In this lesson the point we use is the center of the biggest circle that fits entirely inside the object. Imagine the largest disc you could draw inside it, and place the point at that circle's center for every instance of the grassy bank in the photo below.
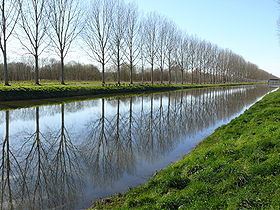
(25, 91)
(237, 167)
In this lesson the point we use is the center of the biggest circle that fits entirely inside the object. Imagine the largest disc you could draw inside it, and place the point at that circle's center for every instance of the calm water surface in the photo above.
(66, 156)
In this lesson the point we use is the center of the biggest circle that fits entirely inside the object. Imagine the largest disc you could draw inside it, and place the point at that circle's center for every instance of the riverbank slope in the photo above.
(237, 167)
(24, 91)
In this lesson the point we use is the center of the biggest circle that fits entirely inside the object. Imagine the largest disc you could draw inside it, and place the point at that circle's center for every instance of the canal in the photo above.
(65, 156)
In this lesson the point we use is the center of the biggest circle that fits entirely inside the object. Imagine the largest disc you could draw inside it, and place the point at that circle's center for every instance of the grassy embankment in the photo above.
(237, 167)
(26, 91)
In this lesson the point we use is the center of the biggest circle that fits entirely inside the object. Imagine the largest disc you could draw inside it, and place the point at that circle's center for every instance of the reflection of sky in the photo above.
(79, 115)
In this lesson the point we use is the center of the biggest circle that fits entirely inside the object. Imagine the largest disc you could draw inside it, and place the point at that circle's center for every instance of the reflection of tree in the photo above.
(109, 146)
(46, 174)
(6, 191)
(147, 144)
(139, 123)
(65, 167)
(95, 149)
(128, 130)
(118, 146)
(36, 167)
(129, 143)
(122, 141)
(48, 110)
(10, 171)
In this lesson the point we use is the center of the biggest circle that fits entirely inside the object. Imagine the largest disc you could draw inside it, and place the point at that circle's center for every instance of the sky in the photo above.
(247, 27)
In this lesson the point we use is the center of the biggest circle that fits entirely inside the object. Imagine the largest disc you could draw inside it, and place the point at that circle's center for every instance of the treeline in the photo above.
(126, 45)
(21, 71)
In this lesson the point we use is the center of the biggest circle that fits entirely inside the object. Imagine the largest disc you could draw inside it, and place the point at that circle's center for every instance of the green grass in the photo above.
(28, 91)
(237, 167)
(51, 82)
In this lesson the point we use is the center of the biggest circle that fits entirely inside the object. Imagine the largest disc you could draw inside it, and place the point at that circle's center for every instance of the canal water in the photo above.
(65, 156)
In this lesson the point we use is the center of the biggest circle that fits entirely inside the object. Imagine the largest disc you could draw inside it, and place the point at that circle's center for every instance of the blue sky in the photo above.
(248, 27)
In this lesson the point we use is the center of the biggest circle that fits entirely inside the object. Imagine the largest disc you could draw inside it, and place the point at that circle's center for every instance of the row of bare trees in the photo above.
(114, 34)
(41, 24)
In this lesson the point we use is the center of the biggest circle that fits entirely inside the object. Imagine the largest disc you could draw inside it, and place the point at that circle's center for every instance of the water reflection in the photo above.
(64, 156)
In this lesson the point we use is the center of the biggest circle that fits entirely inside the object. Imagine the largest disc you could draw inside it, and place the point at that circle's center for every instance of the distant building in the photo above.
(274, 81)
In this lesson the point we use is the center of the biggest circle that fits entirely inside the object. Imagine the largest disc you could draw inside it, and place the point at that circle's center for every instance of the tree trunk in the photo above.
(200, 76)
(131, 72)
(169, 74)
(176, 80)
(62, 70)
(192, 75)
(152, 73)
(119, 75)
(131, 66)
(6, 76)
(182, 75)
(37, 70)
(103, 74)
(119, 67)
(161, 75)
(142, 74)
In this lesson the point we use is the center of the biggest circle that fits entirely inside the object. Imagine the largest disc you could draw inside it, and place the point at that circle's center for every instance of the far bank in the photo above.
(20, 92)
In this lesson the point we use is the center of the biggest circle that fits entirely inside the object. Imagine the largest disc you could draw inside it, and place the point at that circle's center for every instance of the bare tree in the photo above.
(207, 61)
(150, 26)
(9, 16)
(170, 48)
(118, 35)
(182, 53)
(132, 37)
(142, 53)
(214, 57)
(33, 25)
(65, 19)
(162, 39)
(97, 31)
(193, 53)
